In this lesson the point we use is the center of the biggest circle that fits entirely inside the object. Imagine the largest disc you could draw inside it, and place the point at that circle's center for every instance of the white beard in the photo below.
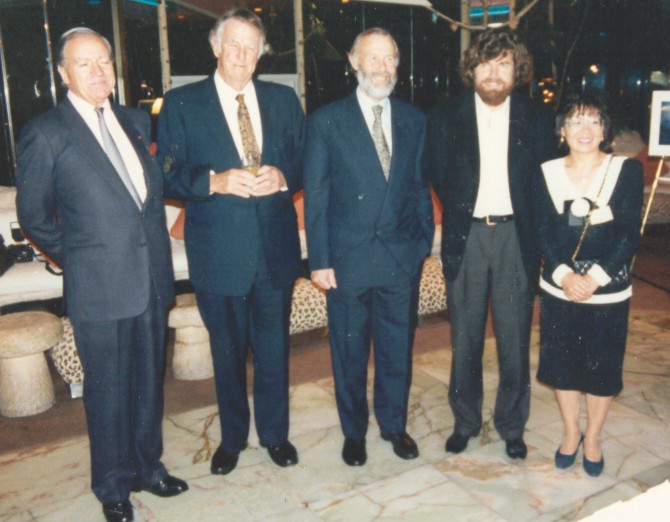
(377, 92)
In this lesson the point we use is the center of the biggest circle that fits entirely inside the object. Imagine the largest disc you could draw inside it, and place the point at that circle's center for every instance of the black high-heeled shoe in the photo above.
(594, 469)
(564, 461)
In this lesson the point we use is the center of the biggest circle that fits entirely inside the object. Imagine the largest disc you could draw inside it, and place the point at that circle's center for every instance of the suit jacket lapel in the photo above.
(271, 125)
(518, 129)
(364, 155)
(266, 108)
(398, 153)
(81, 136)
(355, 120)
(214, 118)
(135, 136)
(467, 126)
(398, 137)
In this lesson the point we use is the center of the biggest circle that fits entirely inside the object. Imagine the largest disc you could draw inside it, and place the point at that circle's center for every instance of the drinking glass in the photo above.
(251, 164)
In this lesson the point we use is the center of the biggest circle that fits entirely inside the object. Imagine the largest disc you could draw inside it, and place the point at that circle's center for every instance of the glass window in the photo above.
(26, 73)
(29, 80)
(142, 52)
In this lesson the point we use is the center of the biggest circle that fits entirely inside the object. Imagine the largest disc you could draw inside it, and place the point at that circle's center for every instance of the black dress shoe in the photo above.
(403, 445)
(456, 443)
(168, 486)
(283, 454)
(353, 452)
(223, 462)
(118, 511)
(516, 448)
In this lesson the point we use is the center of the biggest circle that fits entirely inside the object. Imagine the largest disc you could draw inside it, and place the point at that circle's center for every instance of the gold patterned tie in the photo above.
(249, 143)
(380, 141)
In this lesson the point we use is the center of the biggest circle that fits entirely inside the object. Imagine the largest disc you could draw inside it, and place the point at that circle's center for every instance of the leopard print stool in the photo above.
(308, 307)
(66, 359)
(432, 288)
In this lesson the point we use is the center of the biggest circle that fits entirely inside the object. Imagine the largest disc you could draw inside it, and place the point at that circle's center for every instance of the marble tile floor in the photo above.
(51, 482)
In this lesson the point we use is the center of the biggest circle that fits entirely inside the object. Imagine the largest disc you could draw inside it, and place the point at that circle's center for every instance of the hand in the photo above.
(324, 278)
(592, 284)
(236, 182)
(269, 181)
(577, 287)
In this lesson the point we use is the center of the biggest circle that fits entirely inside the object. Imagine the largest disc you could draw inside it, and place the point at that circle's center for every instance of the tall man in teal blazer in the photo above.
(241, 229)
(369, 223)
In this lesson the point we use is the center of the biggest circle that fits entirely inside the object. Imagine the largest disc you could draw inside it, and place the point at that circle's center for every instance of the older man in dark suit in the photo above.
(485, 148)
(90, 197)
(231, 147)
(369, 223)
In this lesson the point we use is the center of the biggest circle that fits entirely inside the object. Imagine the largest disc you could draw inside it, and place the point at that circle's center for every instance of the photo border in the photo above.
(655, 147)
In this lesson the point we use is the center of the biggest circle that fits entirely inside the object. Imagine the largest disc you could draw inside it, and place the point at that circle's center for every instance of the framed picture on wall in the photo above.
(659, 130)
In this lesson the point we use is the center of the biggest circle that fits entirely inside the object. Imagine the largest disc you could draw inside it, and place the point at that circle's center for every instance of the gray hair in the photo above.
(69, 35)
(243, 15)
(369, 32)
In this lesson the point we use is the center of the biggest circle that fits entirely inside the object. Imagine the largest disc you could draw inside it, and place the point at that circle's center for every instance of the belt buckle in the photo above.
(489, 222)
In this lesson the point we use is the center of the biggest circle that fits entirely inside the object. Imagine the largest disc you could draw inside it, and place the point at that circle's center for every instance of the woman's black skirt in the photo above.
(582, 345)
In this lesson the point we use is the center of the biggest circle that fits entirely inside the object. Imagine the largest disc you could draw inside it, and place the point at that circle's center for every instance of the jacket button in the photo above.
(143, 244)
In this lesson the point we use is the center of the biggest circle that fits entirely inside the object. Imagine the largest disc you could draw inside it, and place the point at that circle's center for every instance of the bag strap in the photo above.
(587, 221)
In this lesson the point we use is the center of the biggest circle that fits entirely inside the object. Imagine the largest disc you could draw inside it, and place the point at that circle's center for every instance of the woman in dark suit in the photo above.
(588, 223)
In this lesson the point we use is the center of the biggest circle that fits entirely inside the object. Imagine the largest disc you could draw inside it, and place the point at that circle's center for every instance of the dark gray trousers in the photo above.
(387, 315)
(492, 267)
(124, 364)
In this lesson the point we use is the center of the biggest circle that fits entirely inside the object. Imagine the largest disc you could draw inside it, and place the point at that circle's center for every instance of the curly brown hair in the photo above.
(491, 44)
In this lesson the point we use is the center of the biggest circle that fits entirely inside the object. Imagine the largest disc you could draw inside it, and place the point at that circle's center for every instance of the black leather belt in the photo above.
(493, 220)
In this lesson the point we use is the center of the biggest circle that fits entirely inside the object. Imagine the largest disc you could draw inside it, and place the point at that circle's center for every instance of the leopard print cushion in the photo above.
(64, 356)
(308, 309)
(432, 292)
(309, 302)
(308, 313)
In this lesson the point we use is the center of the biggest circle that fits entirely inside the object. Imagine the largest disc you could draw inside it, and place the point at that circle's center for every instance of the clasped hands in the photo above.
(238, 182)
(578, 287)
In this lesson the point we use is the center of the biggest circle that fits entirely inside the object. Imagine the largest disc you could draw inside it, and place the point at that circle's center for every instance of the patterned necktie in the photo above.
(249, 143)
(115, 157)
(380, 141)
